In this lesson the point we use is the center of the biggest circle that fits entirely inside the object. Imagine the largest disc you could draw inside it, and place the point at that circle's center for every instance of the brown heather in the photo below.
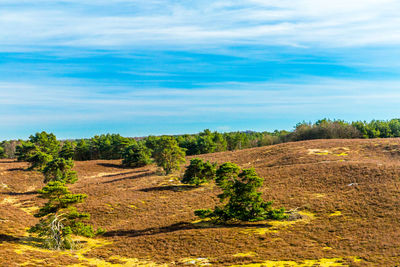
(350, 188)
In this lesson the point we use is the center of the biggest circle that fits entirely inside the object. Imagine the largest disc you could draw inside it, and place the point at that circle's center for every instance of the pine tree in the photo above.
(199, 172)
(136, 155)
(59, 218)
(244, 203)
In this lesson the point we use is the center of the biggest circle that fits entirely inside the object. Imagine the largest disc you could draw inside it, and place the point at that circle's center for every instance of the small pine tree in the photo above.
(199, 172)
(244, 203)
(136, 155)
(60, 169)
(168, 154)
(59, 219)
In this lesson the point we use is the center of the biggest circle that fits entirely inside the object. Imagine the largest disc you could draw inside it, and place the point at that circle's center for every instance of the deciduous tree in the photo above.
(168, 154)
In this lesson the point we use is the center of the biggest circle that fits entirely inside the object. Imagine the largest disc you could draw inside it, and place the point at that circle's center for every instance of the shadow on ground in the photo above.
(180, 227)
(141, 175)
(21, 193)
(177, 188)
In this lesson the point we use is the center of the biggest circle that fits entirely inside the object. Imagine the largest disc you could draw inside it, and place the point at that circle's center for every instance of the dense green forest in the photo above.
(114, 146)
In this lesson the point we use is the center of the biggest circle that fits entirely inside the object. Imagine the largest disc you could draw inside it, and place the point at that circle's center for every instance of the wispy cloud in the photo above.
(44, 103)
(118, 24)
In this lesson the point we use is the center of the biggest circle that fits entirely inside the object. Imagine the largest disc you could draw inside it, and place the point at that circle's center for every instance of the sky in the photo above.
(81, 68)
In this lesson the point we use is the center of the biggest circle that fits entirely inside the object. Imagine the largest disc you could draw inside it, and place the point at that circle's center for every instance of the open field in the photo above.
(346, 191)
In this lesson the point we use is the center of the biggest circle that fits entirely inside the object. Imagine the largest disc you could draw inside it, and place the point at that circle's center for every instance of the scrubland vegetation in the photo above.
(175, 202)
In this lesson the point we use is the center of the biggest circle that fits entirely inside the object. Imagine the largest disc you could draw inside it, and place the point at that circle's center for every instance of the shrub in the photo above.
(199, 172)
(136, 155)
(244, 203)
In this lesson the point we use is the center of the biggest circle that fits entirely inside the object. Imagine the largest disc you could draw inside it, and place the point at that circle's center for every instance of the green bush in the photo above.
(243, 202)
(199, 172)
(136, 155)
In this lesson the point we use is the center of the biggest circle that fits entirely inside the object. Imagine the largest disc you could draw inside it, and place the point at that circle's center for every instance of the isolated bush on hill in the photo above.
(199, 172)
(243, 202)
(168, 154)
(136, 155)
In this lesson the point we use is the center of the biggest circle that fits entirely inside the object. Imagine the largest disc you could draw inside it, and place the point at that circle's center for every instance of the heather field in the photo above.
(344, 193)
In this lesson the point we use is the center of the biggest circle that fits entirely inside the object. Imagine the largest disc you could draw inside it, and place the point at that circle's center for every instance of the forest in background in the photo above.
(113, 146)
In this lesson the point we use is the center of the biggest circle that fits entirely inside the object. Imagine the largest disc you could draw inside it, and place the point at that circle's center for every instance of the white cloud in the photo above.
(41, 101)
(115, 24)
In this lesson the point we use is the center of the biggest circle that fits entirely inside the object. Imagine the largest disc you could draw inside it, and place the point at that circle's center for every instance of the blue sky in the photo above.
(80, 68)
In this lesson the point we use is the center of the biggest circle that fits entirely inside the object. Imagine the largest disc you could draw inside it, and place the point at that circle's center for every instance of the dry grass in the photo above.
(347, 189)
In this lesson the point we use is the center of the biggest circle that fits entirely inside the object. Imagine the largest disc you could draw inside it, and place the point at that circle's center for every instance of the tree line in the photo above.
(115, 146)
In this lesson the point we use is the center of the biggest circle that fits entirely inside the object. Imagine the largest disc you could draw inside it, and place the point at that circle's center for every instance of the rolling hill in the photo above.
(345, 193)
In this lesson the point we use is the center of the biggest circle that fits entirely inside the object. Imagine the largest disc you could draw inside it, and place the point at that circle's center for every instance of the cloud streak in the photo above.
(128, 24)
(223, 98)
